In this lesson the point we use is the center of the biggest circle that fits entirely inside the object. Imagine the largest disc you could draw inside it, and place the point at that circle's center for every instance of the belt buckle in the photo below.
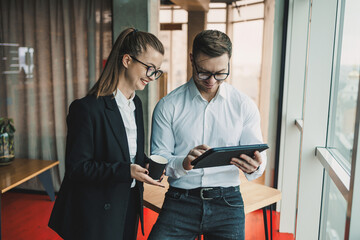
(202, 193)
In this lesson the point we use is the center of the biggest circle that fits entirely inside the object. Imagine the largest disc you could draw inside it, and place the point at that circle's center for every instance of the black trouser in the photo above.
(132, 215)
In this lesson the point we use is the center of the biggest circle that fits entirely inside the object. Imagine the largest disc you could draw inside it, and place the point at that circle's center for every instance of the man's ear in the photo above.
(191, 58)
(126, 60)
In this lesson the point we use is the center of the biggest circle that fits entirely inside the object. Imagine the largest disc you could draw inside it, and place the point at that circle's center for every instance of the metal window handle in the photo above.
(299, 124)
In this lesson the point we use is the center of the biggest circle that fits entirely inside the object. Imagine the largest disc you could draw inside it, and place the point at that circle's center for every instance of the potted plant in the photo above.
(7, 129)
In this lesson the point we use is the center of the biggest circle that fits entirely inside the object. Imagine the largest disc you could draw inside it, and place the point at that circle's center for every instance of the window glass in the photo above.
(246, 2)
(175, 58)
(216, 15)
(179, 57)
(217, 26)
(241, 13)
(247, 52)
(175, 44)
(180, 16)
(333, 216)
(165, 38)
(345, 83)
(165, 15)
(217, 5)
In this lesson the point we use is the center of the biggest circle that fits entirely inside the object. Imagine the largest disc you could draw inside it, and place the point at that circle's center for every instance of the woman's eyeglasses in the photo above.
(207, 75)
(150, 70)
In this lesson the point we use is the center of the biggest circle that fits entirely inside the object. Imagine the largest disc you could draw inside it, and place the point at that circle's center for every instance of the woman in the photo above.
(101, 194)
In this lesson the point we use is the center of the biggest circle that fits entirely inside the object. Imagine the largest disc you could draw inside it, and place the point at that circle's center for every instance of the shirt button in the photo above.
(107, 206)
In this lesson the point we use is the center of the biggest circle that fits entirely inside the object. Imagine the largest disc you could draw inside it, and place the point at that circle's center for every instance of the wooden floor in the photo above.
(25, 216)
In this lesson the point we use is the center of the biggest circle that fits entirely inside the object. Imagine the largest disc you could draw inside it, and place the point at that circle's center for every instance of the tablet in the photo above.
(221, 156)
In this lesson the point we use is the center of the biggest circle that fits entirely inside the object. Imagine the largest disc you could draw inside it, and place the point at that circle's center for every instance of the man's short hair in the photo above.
(212, 43)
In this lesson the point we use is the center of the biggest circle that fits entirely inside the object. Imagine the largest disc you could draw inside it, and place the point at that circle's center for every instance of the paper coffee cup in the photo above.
(156, 166)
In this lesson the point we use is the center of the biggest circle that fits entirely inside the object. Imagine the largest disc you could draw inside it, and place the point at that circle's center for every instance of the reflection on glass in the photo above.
(333, 212)
(345, 83)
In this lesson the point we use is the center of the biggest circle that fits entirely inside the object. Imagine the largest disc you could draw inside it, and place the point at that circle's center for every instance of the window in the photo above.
(248, 24)
(341, 126)
(216, 17)
(246, 67)
(345, 84)
(175, 43)
(328, 181)
(333, 214)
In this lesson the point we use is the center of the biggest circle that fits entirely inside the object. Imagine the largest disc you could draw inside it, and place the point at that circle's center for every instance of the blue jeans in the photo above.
(184, 216)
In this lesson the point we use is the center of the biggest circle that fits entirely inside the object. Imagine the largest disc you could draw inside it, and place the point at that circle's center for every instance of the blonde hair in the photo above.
(132, 42)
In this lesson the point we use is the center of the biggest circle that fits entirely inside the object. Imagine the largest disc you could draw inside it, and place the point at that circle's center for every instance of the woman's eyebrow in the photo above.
(149, 63)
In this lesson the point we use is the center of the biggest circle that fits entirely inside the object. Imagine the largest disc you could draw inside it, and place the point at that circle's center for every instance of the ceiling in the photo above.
(169, 2)
(194, 5)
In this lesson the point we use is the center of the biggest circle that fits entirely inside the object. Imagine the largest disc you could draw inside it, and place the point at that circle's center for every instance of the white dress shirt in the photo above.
(184, 119)
(127, 111)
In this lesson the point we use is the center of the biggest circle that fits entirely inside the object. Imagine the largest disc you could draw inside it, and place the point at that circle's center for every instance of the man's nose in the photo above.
(212, 79)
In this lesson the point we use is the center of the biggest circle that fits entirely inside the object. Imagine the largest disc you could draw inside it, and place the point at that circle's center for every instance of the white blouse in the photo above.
(127, 111)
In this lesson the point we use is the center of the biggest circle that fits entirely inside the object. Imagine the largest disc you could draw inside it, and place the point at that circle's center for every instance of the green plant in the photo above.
(6, 125)
(7, 152)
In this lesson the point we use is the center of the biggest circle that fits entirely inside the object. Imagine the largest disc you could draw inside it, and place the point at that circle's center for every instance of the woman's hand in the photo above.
(141, 174)
(147, 165)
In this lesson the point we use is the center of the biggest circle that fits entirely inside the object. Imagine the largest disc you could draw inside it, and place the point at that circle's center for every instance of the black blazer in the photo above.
(93, 196)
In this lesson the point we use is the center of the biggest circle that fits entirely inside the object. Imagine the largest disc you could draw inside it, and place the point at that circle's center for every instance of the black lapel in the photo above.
(139, 126)
(117, 125)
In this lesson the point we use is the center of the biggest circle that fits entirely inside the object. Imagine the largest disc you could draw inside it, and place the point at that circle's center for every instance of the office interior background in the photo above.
(299, 60)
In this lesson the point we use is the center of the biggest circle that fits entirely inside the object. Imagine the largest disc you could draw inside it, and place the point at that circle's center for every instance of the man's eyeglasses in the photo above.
(207, 75)
(150, 70)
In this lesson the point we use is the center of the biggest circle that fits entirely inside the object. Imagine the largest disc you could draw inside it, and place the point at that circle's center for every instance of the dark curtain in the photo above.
(51, 52)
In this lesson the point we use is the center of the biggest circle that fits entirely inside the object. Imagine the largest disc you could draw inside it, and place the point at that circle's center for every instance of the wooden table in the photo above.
(255, 196)
(22, 170)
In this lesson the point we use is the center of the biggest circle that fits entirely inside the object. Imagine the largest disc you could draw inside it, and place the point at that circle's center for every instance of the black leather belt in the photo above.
(206, 193)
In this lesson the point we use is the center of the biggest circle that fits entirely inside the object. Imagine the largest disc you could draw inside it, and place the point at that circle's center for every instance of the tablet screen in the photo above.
(221, 156)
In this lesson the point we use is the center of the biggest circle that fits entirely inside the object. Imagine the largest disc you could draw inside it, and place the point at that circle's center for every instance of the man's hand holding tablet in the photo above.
(246, 163)
(194, 154)
(245, 157)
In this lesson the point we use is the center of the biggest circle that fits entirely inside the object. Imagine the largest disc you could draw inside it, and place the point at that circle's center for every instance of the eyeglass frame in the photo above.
(148, 67)
(212, 74)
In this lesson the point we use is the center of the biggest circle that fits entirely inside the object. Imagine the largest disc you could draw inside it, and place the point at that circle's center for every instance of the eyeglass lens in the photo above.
(217, 76)
(150, 70)
(207, 75)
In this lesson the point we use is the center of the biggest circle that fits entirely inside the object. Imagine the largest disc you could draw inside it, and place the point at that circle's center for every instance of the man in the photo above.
(205, 112)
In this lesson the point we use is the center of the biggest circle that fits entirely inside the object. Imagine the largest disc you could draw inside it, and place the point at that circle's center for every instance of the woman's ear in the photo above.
(126, 59)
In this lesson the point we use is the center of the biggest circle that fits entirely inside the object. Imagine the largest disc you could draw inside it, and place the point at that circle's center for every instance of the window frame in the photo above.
(314, 158)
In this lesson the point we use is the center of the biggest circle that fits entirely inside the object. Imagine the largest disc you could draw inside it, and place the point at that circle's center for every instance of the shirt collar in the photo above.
(122, 101)
(194, 91)
(222, 91)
